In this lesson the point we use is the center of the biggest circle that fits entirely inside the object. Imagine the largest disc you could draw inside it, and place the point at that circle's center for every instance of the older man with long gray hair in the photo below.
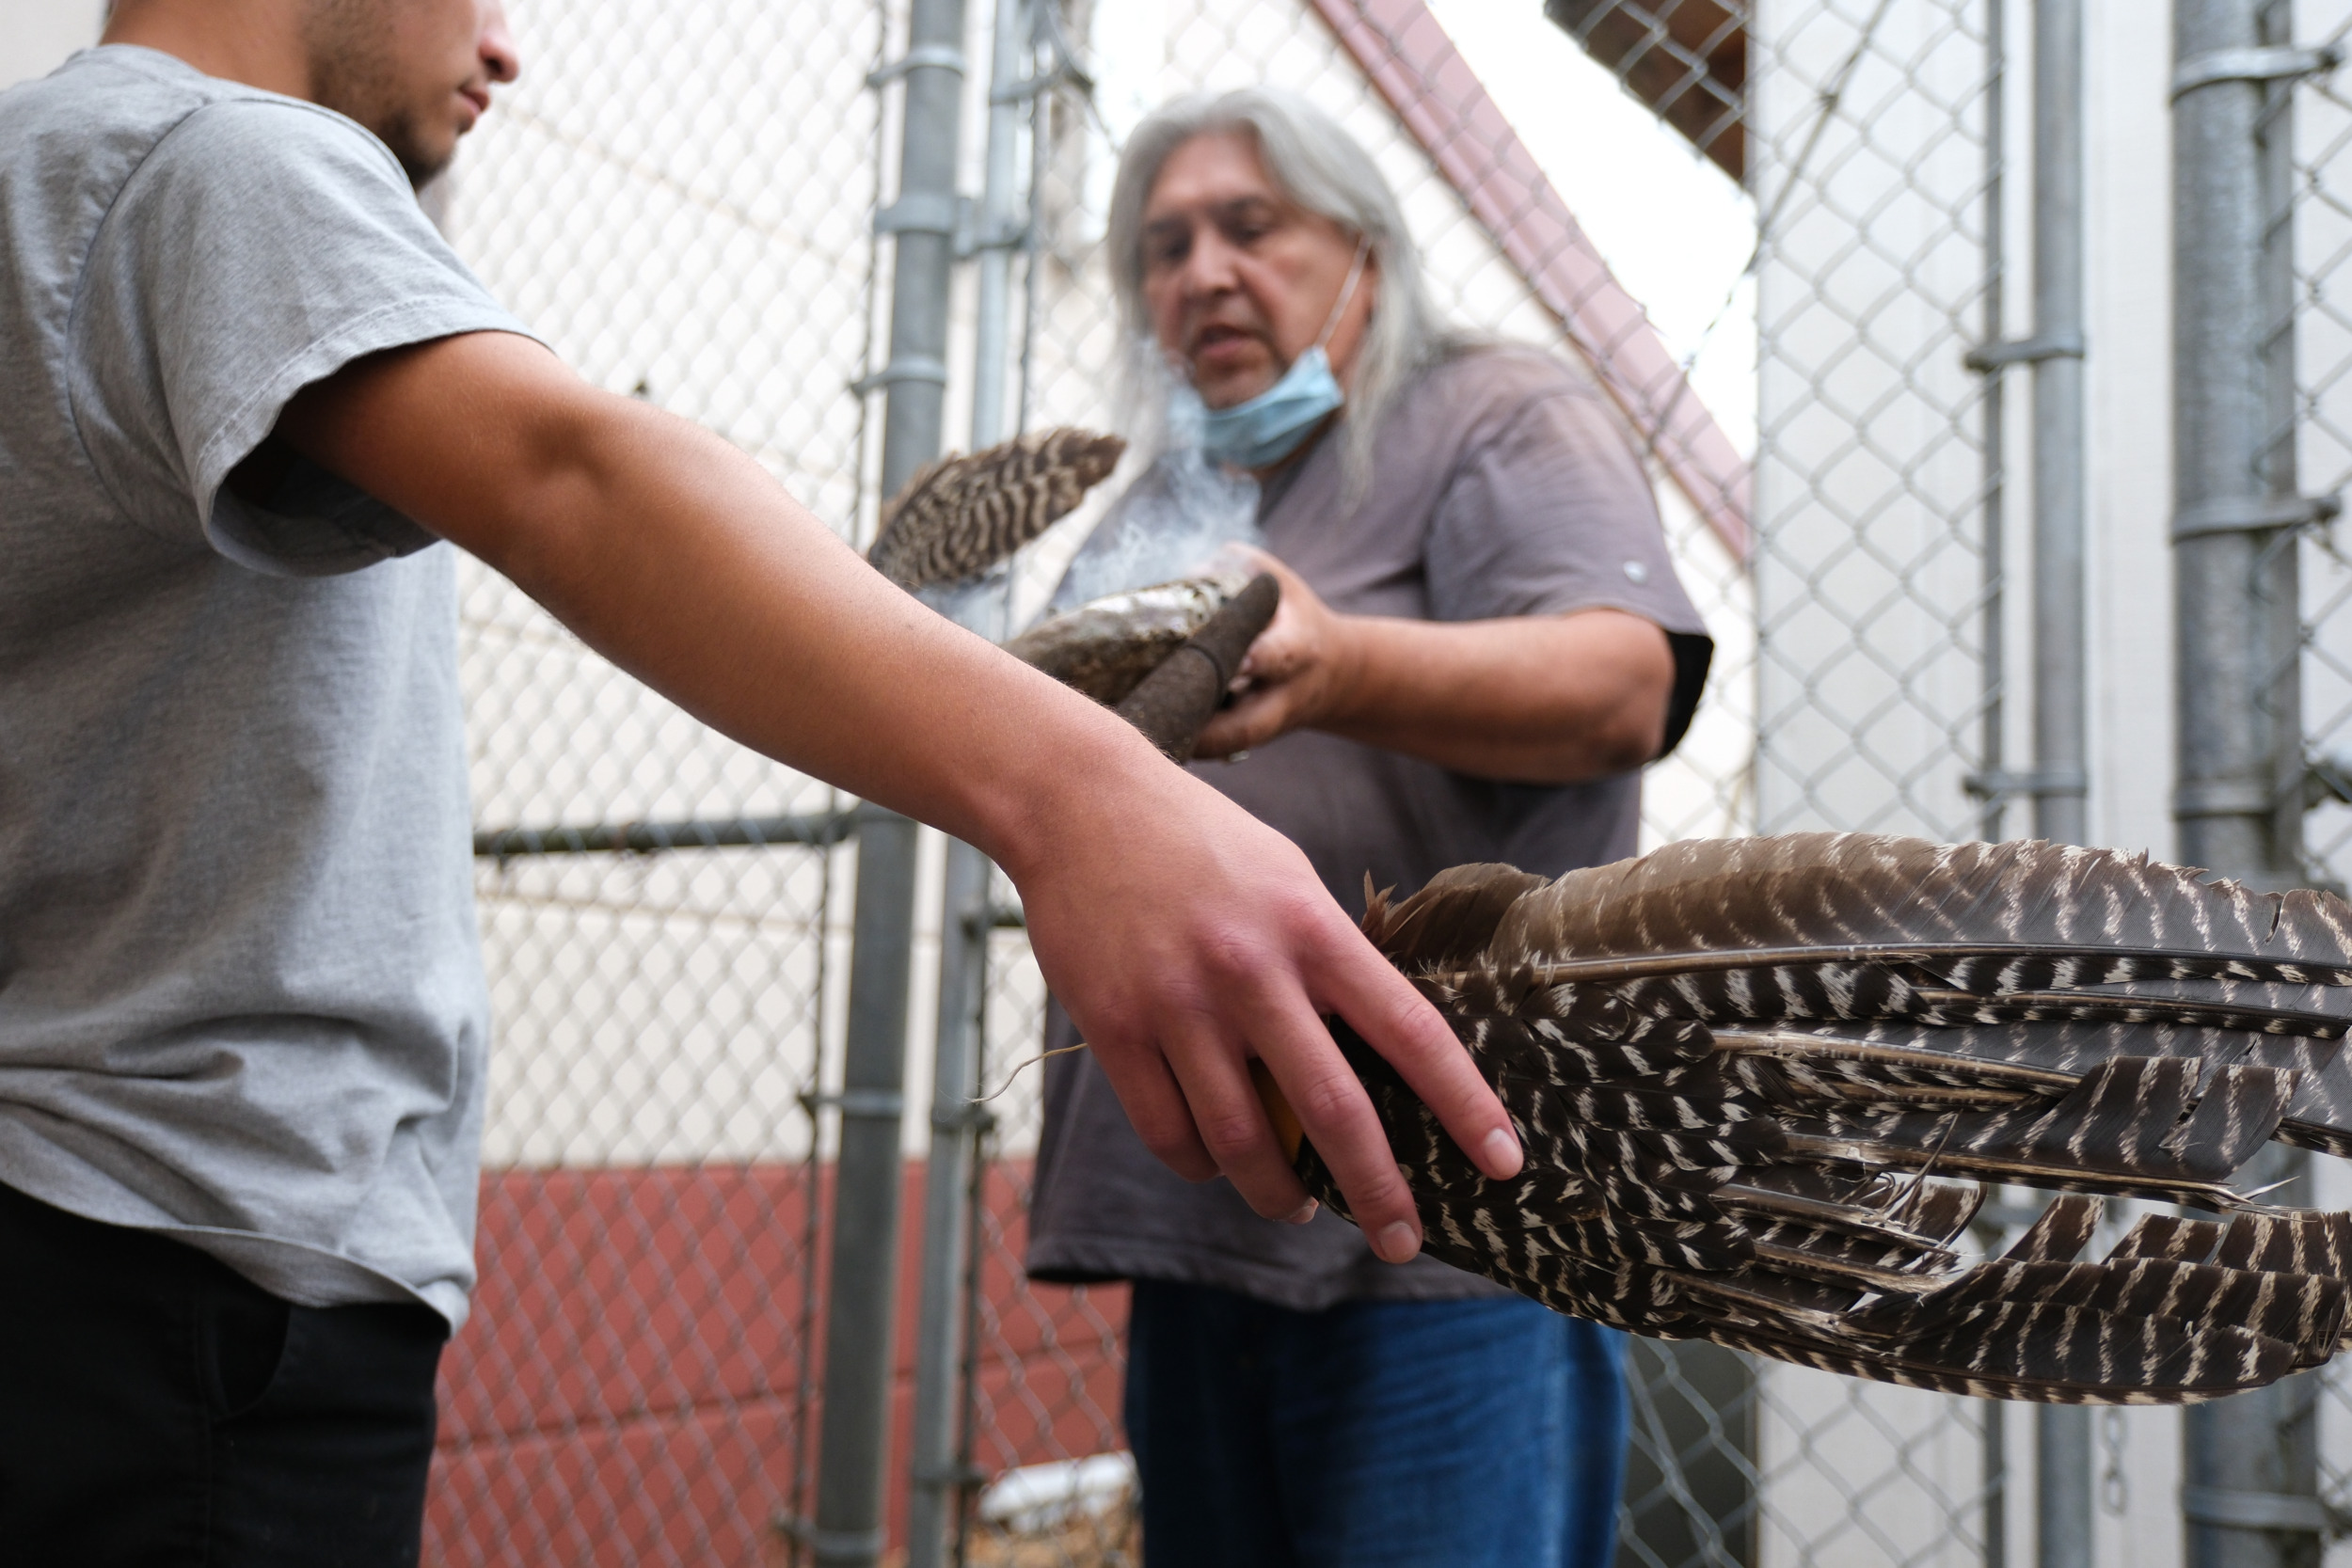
(1481, 640)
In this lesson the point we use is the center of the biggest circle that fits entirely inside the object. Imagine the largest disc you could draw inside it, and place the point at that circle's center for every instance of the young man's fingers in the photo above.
(1234, 1125)
(1400, 1024)
(1155, 1105)
(1338, 1119)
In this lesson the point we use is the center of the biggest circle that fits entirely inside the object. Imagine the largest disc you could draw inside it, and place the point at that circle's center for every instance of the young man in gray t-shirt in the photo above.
(244, 390)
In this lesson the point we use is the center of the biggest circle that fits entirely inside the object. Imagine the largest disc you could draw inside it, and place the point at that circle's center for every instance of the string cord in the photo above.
(1020, 1068)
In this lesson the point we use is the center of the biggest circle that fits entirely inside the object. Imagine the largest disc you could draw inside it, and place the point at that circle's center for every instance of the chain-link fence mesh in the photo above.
(2307, 133)
(680, 197)
(1503, 256)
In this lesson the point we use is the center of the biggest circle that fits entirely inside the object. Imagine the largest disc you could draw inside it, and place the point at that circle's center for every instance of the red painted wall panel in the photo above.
(627, 1391)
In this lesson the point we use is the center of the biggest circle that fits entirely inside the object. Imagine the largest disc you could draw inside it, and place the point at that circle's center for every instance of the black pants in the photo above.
(158, 1410)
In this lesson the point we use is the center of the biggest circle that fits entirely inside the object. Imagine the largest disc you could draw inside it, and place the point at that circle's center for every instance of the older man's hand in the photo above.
(1532, 699)
(1301, 671)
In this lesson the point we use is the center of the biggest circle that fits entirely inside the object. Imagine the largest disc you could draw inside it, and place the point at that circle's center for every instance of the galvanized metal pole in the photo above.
(2223, 802)
(935, 1482)
(2062, 1486)
(1992, 783)
(2249, 1473)
(2056, 347)
(1001, 225)
(2279, 575)
(861, 1304)
(2063, 1445)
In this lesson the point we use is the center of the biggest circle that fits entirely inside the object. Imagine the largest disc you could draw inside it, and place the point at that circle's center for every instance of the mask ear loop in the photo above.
(1347, 291)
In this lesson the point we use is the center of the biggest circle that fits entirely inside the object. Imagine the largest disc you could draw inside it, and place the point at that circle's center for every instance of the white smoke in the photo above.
(1176, 522)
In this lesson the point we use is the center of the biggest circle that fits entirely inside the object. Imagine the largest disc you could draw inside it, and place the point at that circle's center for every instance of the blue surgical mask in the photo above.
(1270, 426)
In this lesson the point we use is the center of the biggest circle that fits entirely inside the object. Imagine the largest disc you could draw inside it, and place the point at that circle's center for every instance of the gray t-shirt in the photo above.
(1502, 487)
(241, 998)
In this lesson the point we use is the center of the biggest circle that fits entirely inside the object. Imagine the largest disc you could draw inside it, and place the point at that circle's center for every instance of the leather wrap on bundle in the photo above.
(1105, 646)
(1173, 703)
(1761, 1082)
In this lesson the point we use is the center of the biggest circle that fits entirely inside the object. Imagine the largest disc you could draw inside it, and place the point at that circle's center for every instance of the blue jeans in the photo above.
(1484, 1433)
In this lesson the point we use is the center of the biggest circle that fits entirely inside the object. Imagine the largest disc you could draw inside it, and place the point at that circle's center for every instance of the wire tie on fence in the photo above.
(2223, 797)
(866, 1104)
(1020, 1068)
(969, 1116)
(833, 1546)
(2328, 778)
(813, 830)
(995, 917)
(923, 56)
(1012, 234)
(963, 1477)
(1989, 358)
(925, 212)
(2254, 515)
(909, 367)
(2251, 64)
(1998, 783)
(2232, 1509)
(1029, 86)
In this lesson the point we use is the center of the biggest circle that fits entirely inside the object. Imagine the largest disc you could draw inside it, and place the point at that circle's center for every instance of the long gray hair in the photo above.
(1324, 170)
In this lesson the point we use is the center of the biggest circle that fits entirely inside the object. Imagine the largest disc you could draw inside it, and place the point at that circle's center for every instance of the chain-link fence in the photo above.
(2306, 158)
(662, 911)
(1503, 256)
(682, 197)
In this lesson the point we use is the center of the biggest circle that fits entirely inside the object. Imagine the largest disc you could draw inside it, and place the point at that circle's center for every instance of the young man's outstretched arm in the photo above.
(1184, 936)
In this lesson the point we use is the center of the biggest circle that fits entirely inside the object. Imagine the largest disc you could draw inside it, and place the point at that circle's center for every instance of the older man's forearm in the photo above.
(1531, 700)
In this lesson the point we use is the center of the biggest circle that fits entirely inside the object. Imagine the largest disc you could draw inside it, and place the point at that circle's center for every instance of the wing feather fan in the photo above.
(1764, 1085)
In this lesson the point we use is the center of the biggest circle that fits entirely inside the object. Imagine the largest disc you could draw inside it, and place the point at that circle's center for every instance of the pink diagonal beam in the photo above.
(1407, 53)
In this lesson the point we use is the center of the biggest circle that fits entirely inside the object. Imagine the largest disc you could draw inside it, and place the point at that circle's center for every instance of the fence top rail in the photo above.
(813, 829)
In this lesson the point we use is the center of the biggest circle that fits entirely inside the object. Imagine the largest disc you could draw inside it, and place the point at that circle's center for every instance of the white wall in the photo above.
(2128, 375)
(36, 35)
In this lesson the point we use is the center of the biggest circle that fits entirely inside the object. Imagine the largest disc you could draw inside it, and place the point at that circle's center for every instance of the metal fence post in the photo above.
(2063, 1462)
(2056, 351)
(1992, 783)
(947, 1191)
(860, 1303)
(935, 1481)
(2249, 1481)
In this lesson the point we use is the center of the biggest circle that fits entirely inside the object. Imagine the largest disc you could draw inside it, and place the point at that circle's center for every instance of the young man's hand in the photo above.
(1185, 936)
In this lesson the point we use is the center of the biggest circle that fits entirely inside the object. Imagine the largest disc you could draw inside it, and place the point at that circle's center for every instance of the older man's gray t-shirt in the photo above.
(241, 998)
(1502, 487)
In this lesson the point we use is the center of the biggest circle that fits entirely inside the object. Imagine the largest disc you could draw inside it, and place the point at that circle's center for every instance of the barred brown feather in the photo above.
(1761, 1083)
(961, 516)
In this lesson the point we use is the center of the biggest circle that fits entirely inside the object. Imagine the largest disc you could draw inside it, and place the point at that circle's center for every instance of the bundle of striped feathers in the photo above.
(1764, 1085)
